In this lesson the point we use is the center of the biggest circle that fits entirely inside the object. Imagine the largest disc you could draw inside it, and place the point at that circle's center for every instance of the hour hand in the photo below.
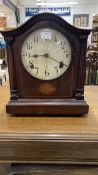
(35, 56)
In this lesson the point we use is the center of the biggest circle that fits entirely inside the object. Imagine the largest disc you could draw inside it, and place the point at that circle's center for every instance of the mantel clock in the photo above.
(46, 62)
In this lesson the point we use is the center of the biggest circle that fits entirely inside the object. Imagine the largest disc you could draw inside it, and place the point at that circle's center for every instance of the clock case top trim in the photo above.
(71, 85)
(44, 16)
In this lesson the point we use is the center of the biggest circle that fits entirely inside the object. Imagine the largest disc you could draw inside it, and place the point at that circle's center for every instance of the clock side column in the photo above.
(11, 68)
(82, 68)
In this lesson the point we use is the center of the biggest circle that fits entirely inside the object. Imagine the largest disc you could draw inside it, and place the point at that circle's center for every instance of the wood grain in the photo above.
(48, 139)
(85, 124)
(54, 170)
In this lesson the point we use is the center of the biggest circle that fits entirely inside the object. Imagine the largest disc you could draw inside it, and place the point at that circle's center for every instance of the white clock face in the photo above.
(46, 54)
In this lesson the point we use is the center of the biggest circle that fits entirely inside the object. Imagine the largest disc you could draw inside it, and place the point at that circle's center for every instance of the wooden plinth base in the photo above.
(43, 106)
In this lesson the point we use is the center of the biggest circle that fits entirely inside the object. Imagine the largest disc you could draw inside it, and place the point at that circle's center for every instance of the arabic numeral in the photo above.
(56, 69)
(29, 46)
(46, 73)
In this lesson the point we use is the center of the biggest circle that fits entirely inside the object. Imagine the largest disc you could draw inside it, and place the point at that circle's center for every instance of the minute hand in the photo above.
(61, 64)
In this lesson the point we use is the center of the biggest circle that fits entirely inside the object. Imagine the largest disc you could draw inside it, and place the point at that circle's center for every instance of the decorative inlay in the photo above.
(46, 89)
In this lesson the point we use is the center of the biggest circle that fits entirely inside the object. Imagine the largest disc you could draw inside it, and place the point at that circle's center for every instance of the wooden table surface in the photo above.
(47, 138)
(85, 124)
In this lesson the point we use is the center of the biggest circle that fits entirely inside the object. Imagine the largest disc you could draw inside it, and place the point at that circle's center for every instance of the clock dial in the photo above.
(46, 54)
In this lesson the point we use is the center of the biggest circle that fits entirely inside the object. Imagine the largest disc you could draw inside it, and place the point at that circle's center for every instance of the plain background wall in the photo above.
(75, 9)
(90, 9)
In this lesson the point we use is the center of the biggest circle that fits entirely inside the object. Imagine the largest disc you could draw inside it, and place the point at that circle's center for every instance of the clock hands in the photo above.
(61, 64)
(35, 55)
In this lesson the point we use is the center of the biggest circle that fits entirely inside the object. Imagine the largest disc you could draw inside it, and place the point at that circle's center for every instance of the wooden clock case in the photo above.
(63, 95)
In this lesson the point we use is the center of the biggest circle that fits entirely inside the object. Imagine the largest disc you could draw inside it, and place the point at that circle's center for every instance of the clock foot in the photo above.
(44, 106)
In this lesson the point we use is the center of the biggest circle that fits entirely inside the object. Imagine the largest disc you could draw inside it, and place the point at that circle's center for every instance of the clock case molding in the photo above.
(63, 95)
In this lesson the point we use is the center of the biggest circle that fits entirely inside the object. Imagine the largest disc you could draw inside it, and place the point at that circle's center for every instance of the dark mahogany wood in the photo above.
(64, 95)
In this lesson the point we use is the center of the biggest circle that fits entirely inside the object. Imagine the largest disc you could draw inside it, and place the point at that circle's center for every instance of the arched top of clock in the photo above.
(45, 16)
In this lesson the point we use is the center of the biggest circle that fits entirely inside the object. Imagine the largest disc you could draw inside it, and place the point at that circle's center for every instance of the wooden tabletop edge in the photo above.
(49, 136)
